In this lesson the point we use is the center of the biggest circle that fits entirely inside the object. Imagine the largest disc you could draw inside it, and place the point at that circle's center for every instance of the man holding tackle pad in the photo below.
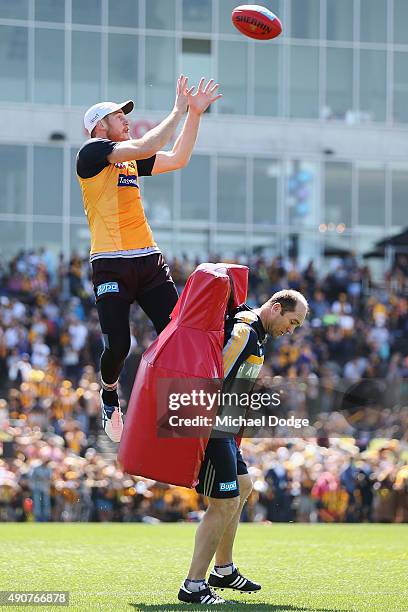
(223, 476)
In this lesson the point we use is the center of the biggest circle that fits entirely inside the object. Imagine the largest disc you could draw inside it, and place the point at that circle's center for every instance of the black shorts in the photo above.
(129, 278)
(223, 463)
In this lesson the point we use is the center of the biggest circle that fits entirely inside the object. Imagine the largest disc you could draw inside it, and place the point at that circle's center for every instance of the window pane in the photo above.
(14, 9)
(367, 242)
(301, 193)
(400, 21)
(49, 67)
(305, 18)
(399, 196)
(225, 8)
(401, 87)
(339, 78)
(266, 244)
(335, 245)
(373, 20)
(13, 195)
(231, 190)
(305, 244)
(339, 20)
(50, 10)
(337, 193)
(232, 71)
(124, 13)
(79, 239)
(371, 194)
(122, 66)
(86, 68)
(267, 82)
(197, 15)
(49, 235)
(195, 203)
(373, 86)
(196, 59)
(193, 243)
(161, 15)
(76, 205)
(48, 181)
(165, 239)
(12, 238)
(13, 64)
(86, 12)
(160, 77)
(304, 81)
(265, 200)
(157, 192)
(229, 245)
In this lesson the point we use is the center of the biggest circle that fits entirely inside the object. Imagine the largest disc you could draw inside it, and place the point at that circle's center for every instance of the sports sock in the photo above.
(109, 386)
(195, 585)
(110, 396)
(110, 399)
(225, 570)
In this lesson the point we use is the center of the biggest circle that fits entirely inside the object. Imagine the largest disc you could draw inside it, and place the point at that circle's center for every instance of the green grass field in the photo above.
(140, 567)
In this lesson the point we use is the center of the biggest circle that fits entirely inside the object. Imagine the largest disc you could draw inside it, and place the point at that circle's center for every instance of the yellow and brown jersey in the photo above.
(243, 353)
(243, 357)
(112, 202)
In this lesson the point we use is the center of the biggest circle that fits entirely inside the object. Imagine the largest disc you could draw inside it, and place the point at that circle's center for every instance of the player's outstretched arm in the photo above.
(181, 152)
(159, 136)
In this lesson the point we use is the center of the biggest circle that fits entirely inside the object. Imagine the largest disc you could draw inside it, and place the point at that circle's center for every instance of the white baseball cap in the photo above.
(100, 110)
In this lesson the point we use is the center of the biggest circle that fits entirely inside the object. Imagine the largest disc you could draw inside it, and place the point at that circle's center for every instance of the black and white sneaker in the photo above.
(205, 596)
(235, 581)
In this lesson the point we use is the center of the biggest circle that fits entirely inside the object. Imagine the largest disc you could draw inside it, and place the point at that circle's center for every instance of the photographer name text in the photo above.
(238, 421)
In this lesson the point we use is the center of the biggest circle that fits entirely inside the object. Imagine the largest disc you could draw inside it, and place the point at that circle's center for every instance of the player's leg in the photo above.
(158, 294)
(113, 286)
(114, 320)
(218, 481)
(158, 304)
(209, 534)
(223, 555)
(225, 574)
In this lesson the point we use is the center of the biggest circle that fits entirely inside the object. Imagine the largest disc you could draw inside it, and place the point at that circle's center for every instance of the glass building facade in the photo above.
(305, 152)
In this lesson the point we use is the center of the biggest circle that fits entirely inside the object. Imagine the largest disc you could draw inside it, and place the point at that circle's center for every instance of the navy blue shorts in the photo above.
(223, 463)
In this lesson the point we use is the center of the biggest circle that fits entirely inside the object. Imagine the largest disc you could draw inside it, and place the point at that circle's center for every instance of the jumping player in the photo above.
(223, 475)
(127, 265)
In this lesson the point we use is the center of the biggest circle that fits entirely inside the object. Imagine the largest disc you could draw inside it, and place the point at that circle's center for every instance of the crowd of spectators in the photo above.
(347, 368)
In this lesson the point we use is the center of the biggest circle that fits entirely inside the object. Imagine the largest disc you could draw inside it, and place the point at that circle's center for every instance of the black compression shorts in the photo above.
(146, 280)
(129, 278)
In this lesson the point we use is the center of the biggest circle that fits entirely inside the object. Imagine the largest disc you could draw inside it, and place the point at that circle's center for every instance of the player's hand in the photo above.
(205, 95)
(182, 94)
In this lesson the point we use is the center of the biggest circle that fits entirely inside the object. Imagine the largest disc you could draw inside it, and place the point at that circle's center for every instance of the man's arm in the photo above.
(181, 152)
(159, 136)
(149, 144)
